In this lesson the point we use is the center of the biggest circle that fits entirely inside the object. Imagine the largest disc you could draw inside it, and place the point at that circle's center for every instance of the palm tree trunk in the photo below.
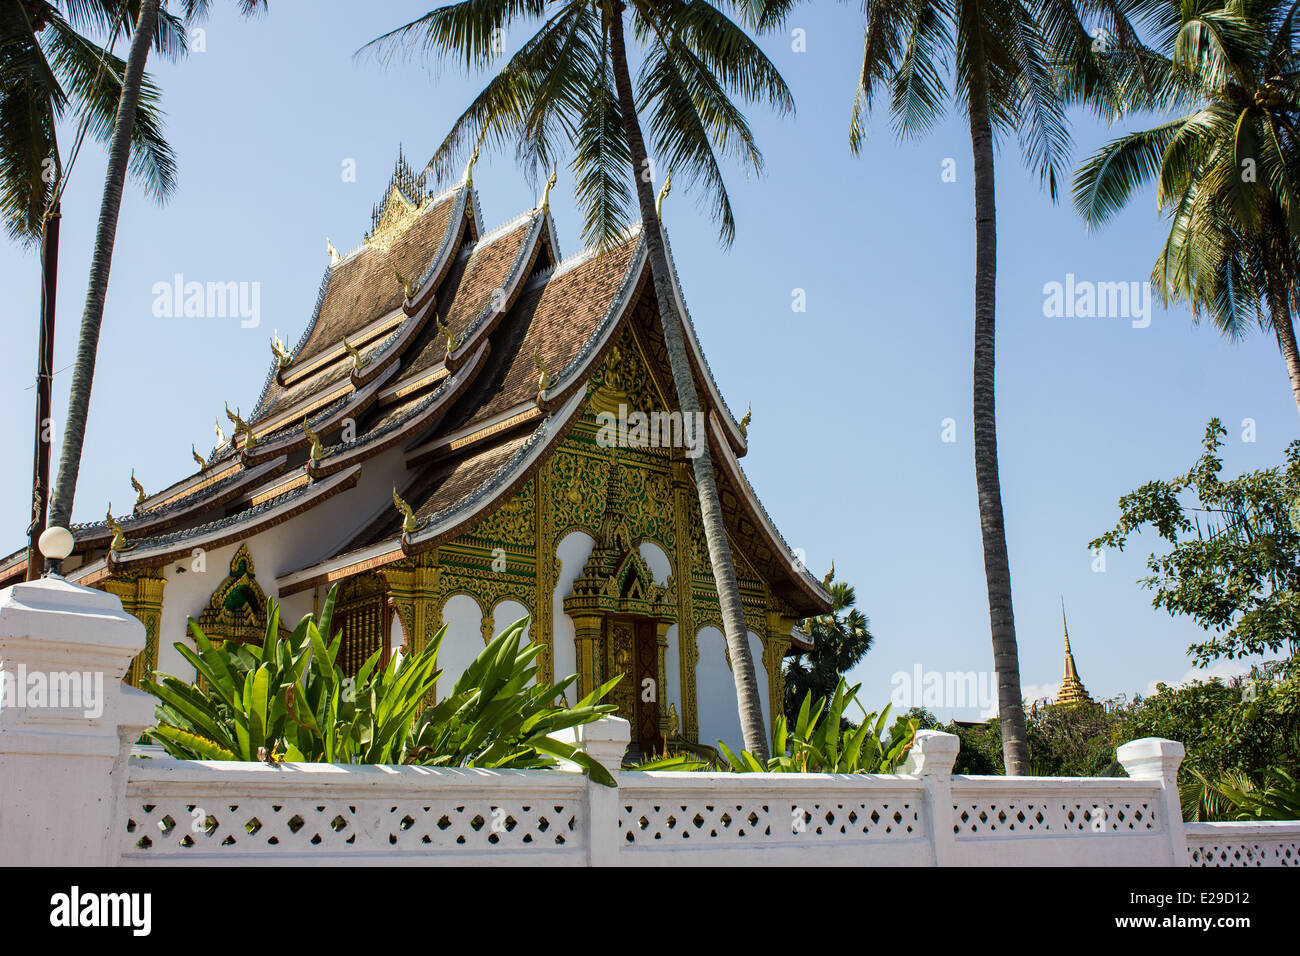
(715, 535)
(997, 566)
(83, 372)
(44, 384)
(1279, 308)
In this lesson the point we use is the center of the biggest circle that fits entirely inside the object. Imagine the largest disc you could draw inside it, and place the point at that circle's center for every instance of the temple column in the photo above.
(141, 594)
(414, 594)
(775, 646)
(587, 639)
(688, 654)
(661, 672)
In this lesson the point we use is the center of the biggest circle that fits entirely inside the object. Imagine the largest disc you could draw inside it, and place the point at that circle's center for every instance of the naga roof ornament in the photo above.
(663, 194)
(358, 362)
(410, 523)
(139, 489)
(119, 536)
(280, 351)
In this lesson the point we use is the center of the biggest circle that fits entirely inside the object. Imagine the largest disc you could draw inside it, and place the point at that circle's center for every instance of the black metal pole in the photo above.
(44, 386)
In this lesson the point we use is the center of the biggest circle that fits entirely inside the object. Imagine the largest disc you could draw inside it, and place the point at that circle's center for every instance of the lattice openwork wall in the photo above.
(1047, 815)
(1243, 844)
(200, 813)
(455, 816)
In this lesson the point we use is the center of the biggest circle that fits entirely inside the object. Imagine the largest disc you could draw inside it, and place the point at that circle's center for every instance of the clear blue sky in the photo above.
(848, 398)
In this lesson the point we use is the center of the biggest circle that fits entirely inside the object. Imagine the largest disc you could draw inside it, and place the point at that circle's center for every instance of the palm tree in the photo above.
(1226, 169)
(1012, 65)
(119, 157)
(840, 640)
(569, 88)
(52, 68)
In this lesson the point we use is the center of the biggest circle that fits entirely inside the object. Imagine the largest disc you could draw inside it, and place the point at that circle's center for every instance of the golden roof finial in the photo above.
(235, 420)
(408, 290)
(139, 489)
(221, 436)
(663, 194)
(203, 462)
(358, 363)
(445, 329)
(119, 536)
(334, 253)
(318, 452)
(545, 204)
(469, 167)
(746, 419)
(544, 380)
(830, 576)
(410, 524)
(280, 350)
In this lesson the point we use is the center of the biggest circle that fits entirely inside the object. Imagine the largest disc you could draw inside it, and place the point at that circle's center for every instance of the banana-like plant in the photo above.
(820, 743)
(290, 700)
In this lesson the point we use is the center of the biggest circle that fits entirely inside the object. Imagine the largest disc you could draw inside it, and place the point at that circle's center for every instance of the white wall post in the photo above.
(931, 758)
(1154, 758)
(604, 740)
(67, 723)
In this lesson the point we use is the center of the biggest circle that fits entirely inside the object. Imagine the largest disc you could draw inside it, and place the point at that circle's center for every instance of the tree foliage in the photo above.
(840, 640)
(1234, 564)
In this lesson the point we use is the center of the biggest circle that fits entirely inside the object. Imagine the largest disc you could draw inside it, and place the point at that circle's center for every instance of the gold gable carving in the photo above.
(237, 609)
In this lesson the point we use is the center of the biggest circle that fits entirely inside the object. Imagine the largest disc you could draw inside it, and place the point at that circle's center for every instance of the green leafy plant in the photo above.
(824, 742)
(1235, 796)
(290, 700)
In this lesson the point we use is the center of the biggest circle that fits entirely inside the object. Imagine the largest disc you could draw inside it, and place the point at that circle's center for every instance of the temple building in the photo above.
(433, 445)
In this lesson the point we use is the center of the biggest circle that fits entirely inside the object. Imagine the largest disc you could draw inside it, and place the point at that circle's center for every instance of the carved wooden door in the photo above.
(630, 650)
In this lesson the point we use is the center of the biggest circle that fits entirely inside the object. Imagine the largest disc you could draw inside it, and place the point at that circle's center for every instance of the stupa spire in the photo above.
(1072, 690)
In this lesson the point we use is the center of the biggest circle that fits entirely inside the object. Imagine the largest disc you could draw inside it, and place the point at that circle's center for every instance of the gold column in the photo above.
(661, 692)
(547, 572)
(775, 645)
(141, 594)
(688, 652)
(415, 594)
(587, 639)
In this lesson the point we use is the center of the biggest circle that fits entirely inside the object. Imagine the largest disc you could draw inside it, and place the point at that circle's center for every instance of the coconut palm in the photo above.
(52, 70)
(569, 91)
(147, 15)
(1009, 66)
(840, 640)
(1227, 169)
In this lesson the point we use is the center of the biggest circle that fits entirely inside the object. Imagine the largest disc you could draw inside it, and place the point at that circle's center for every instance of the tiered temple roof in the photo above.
(430, 336)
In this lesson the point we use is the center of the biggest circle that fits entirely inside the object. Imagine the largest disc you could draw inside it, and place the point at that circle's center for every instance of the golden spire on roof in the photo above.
(221, 436)
(139, 489)
(830, 576)
(334, 253)
(1071, 690)
(663, 194)
(119, 536)
(746, 419)
(203, 462)
(445, 329)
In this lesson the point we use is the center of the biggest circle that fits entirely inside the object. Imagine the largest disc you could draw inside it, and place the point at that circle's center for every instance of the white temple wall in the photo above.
(715, 689)
(463, 641)
(573, 553)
